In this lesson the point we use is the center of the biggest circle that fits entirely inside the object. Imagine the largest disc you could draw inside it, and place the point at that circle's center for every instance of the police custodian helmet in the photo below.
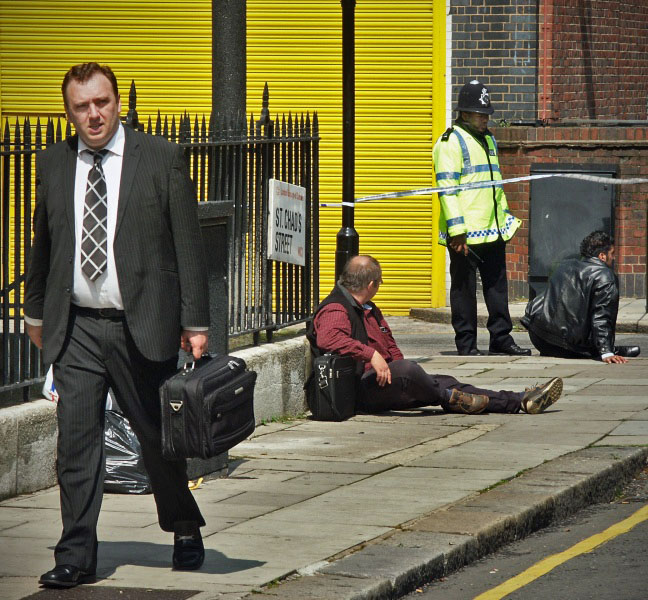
(474, 97)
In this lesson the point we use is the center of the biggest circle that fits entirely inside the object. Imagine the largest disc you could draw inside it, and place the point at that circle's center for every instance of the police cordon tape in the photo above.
(483, 184)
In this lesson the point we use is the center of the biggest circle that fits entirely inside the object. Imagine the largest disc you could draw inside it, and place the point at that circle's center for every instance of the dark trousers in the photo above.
(99, 353)
(412, 387)
(548, 349)
(463, 296)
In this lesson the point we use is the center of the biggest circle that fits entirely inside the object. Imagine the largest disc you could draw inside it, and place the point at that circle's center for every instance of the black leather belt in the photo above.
(99, 313)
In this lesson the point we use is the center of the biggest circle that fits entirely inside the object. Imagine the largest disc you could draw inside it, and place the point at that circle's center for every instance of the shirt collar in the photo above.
(114, 146)
(347, 294)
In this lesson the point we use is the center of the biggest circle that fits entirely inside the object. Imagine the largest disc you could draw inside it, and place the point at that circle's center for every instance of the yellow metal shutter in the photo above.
(296, 47)
(165, 46)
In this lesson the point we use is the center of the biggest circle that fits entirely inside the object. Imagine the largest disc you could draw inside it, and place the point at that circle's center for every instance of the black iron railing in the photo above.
(230, 161)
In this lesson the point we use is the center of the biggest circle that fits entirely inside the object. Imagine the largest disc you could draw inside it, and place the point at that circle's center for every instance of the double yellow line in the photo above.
(551, 562)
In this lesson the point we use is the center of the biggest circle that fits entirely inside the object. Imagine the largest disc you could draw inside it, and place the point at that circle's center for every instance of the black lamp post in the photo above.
(229, 60)
(347, 239)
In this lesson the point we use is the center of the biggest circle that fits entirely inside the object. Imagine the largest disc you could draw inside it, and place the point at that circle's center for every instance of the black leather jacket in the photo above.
(578, 310)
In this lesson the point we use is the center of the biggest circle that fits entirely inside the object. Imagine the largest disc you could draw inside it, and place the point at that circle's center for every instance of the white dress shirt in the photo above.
(104, 291)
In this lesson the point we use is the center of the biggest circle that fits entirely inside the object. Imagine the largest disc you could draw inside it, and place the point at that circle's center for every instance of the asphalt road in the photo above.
(615, 570)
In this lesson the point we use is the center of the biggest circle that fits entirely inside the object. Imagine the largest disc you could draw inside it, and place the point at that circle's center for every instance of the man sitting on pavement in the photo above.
(575, 317)
(346, 322)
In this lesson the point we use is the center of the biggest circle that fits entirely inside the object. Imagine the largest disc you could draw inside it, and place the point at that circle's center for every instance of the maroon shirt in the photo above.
(333, 333)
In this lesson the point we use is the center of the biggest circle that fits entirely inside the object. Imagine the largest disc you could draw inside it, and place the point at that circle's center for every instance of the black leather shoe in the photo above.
(473, 352)
(627, 351)
(512, 350)
(65, 576)
(188, 549)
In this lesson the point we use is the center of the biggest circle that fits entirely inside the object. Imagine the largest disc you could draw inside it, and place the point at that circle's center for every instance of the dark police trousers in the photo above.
(412, 387)
(463, 296)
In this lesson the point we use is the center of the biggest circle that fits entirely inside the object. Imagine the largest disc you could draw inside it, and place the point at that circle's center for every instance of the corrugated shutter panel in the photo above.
(296, 47)
(165, 46)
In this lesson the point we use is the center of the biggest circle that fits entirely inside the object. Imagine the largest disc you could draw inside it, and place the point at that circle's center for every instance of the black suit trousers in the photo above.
(463, 296)
(99, 353)
(412, 387)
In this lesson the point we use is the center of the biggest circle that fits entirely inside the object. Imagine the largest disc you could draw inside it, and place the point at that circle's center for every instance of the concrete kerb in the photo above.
(28, 431)
(626, 322)
(450, 538)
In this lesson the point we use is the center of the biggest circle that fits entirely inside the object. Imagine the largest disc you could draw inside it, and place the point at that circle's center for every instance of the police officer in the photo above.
(475, 224)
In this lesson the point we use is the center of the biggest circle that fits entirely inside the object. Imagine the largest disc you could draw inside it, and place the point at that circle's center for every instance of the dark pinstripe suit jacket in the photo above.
(157, 246)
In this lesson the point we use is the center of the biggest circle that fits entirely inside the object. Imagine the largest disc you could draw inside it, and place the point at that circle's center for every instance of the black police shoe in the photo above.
(512, 350)
(473, 352)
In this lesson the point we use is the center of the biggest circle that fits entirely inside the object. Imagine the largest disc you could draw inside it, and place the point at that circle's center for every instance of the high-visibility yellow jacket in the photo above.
(482, 214)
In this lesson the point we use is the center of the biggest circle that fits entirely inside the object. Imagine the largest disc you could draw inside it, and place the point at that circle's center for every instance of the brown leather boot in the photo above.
(469, 404)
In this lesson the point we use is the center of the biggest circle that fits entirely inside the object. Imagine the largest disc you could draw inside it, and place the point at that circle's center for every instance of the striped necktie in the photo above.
(94, 245)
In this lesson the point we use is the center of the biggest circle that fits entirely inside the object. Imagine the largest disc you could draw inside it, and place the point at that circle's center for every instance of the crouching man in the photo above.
(348, 323)
(575, 317)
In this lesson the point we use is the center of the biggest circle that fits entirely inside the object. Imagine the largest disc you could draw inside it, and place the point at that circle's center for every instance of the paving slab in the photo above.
(515, 456)
(462, 436)
(481, 380)
(639, 416)
(16, 588)
(631, 428)
(601, 388)
(556, 438)
(350, 440)
(311, 466)
(541, 372)
(49, 499)
(561, 422)
(370, 507)
(623, 440)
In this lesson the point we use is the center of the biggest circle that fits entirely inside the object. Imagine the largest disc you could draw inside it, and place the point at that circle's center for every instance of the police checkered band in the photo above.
(483, 233)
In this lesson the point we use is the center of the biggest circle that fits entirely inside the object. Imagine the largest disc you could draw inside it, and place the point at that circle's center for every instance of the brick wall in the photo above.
(599, 60)
(626, 147)
(496, 42)
(559, 60)
(594, 56)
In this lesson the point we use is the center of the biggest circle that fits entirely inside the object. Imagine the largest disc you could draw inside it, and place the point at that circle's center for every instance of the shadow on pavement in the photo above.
(148, 554)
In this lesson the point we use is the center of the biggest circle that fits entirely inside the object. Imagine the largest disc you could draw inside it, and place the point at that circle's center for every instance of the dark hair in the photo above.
(359, 272)
(595, 243)
(85, 71)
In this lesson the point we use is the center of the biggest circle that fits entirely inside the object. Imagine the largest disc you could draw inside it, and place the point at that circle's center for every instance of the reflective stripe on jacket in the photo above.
(482, 214)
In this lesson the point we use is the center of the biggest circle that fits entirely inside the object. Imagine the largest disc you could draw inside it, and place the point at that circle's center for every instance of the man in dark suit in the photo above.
(116, 283)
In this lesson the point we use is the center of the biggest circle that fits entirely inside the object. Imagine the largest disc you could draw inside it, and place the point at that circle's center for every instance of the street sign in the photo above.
(287, 222)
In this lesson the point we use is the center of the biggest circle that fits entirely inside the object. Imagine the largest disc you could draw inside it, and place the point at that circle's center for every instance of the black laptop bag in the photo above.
(331, 388)
(207, 407)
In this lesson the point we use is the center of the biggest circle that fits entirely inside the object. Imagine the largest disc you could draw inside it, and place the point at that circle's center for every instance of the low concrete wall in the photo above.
(28, 431)
(281, 369)
(27, 447)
